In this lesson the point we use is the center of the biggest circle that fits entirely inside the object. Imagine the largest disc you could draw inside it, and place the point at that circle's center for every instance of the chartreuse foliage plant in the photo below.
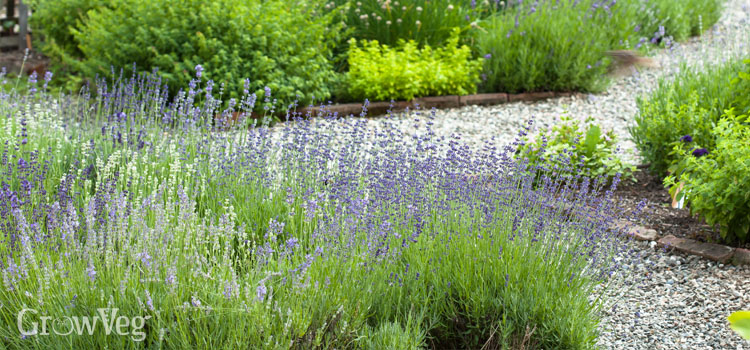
(380, 72)
(594, 150)
(740, 323)
(326, 235)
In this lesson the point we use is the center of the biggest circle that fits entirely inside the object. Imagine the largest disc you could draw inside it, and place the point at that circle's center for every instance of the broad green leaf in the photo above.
(740, 322)
(592, 138)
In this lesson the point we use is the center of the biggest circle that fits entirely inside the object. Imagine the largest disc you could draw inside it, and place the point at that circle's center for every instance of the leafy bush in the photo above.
(691, 104)
(278, 44)
(554, 46)
(56, 19)
(379, 72)
(593, 153)
(717, 179)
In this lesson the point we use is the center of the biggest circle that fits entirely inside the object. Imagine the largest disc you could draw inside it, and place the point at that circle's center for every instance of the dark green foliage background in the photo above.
(286, 46)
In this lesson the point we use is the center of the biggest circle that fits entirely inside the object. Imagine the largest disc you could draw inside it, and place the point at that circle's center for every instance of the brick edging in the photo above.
(712, 251)
(427, 103)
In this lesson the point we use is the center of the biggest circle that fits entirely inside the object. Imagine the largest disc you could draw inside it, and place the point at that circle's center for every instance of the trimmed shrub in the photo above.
(56, 19)
(278, 44)
(380, 72)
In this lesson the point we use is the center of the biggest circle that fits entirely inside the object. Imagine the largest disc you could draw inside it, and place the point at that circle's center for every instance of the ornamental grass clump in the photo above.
(332, 234)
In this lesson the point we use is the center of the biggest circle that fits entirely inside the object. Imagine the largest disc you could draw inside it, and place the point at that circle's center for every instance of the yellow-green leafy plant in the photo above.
(380, 72)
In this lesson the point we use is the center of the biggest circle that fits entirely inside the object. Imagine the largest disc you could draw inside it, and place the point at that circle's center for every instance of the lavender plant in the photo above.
(553, 45)
(326, 234)
(425, 22)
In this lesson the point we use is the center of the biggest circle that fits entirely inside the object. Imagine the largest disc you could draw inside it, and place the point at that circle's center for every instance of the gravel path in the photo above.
(685, 302)
(612, 110)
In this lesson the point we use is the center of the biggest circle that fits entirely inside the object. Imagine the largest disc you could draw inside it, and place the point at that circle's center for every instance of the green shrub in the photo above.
(380, 72)
(717, 179)
(273, 43)
(595, 151)
(553, 46)
(690, 104)
(55, 20)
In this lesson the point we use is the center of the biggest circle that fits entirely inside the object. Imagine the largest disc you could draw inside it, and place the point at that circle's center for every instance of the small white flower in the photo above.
(450, 7)
(387, 23)
(418, 23)
(378, 18)
(398, 21)
(419, 9)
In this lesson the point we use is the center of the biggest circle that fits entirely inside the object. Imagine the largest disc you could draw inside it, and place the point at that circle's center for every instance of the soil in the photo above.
(13, 59)
(659, 214)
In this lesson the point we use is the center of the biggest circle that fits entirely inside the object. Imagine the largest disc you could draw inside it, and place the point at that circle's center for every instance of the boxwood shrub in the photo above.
(285, 46)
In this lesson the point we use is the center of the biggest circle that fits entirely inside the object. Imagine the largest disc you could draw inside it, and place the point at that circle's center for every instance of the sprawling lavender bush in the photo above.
(312, 233)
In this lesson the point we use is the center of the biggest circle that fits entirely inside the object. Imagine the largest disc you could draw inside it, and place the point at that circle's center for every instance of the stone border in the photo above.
(375, 109)
(427, 103)
(712, 251)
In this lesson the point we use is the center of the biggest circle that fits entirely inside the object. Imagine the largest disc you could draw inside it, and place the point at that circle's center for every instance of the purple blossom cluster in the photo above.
(276, 201)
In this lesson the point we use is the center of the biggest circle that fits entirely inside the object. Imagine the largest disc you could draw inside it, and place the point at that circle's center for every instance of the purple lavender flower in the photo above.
(487, 56)
(686, 138)
(268, 91)
(91, 272)
(261, 291)
(198, 71)
(292, 243)
(699, 152)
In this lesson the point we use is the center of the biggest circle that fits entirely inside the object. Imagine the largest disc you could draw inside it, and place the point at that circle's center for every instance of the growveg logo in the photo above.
(31, 324)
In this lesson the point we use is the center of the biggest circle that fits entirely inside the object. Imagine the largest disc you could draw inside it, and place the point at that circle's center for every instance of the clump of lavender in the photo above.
(284, 235)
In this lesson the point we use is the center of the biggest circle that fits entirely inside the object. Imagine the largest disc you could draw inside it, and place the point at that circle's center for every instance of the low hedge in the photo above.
(287, 47)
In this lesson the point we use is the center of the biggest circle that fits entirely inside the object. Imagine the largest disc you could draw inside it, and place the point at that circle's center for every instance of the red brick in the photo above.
(716, 252)
(483, 99)
(530, 96)
(741, 256)
(450, 101)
